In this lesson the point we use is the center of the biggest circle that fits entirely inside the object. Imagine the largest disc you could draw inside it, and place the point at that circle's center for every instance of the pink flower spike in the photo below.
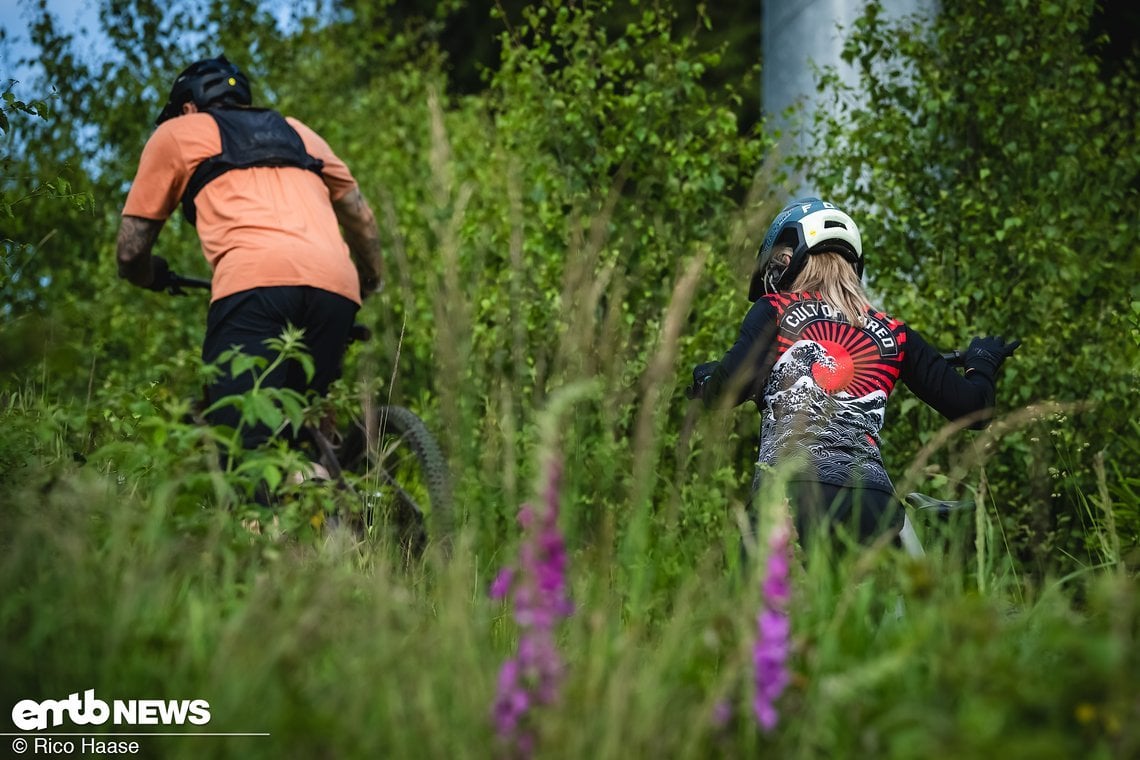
(773, 632)
(501, 586)
(536, 589)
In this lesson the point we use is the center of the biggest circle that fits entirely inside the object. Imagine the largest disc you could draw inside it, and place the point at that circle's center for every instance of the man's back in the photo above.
(260, 226)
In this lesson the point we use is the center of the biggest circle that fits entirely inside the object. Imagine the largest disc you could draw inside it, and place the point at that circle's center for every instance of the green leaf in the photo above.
(307, 364)
(242, 363)
(293, 408)
(272, 476)
(260, 408)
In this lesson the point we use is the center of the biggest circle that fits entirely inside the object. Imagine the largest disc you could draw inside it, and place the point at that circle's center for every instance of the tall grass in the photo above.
(337, 649)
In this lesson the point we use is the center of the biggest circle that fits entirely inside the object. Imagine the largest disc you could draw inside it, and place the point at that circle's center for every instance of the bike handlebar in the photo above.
(177, 282)
(956, 358)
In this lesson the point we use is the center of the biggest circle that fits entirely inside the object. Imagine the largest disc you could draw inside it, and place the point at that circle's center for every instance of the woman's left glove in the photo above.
(985, 355)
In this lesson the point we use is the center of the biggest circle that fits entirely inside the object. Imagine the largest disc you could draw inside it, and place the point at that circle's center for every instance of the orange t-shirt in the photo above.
(259, 227)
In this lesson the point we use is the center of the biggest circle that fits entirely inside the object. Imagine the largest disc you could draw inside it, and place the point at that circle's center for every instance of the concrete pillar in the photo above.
(801, 36)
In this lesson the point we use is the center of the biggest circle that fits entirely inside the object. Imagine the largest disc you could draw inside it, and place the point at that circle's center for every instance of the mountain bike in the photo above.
(384, 457)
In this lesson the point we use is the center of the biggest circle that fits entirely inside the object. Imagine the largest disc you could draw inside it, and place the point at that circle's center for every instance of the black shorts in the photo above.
(249, 318)
(864, 514)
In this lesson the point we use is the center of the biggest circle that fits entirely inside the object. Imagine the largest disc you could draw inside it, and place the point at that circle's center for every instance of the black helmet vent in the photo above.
(204, 83)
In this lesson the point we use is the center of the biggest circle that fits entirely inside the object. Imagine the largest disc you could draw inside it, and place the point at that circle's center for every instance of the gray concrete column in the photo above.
(801, 36)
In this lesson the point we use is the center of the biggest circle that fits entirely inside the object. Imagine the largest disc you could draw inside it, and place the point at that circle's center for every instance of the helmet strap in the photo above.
(772, 280)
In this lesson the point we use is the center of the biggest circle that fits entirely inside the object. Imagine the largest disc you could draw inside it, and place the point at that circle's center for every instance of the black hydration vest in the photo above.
(250, 137)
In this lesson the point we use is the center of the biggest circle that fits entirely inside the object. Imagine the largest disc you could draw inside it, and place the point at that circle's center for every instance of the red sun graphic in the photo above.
(838, 377)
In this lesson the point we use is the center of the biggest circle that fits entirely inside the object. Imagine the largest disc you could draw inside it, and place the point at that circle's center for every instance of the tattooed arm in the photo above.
(136, 239)
(363, 238)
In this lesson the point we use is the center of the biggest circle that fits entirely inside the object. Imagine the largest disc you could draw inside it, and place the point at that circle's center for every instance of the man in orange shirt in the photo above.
(266, 195)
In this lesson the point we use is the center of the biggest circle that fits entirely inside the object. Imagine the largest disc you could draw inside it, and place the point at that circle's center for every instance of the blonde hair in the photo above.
(834, 279)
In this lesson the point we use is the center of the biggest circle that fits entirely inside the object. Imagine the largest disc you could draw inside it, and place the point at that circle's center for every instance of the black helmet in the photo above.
(808, 225)
(206, 82)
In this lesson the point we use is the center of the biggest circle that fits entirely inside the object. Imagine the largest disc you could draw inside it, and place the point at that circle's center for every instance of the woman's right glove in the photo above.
(985, 355)
(701, 375)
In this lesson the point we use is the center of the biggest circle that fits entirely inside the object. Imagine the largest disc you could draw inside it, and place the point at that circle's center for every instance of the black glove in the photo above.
(162, 277)
(701, 375)
(369, 285)
(985, 355)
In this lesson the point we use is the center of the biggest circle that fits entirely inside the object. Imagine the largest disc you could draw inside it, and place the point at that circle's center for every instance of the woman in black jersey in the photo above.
(821, 361)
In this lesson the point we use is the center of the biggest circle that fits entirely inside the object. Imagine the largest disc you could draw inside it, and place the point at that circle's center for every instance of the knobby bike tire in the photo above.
(396, 426)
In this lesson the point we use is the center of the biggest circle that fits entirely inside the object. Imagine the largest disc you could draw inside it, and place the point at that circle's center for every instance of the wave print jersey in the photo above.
(826, 396)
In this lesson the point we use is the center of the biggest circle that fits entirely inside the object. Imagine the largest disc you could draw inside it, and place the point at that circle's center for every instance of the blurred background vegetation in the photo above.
(574, 192)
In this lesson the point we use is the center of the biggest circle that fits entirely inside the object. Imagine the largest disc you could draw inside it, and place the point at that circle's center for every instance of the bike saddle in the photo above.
(925, 503)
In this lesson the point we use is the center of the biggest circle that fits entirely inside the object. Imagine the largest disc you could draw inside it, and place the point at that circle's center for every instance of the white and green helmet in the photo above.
(809, 226)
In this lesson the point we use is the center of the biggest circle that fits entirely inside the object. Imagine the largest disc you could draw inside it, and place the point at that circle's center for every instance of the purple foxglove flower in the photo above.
(501, 586)
(773, 631)
(536, 589)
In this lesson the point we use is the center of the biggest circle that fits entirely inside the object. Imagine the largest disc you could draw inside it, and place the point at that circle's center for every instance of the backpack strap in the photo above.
(250, 137)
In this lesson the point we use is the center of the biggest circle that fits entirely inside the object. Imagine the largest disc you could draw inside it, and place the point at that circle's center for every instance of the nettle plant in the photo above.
(162, 442)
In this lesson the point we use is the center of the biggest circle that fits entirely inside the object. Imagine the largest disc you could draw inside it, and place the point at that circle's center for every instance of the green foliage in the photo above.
(275, 408)
(576, 236)
(993, 170)
(19, 186)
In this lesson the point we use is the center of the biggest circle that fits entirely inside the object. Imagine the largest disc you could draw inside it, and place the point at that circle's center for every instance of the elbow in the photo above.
(353, 212)
(981, 409)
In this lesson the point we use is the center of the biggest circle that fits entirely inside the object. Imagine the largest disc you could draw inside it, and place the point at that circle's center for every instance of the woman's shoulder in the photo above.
(883, 316)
